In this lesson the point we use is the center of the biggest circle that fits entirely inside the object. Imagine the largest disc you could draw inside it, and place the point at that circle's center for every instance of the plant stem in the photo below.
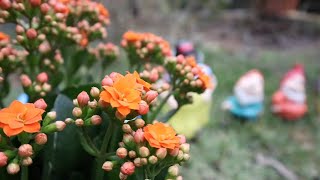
(101, 157)
(87, 143)
(24, 173)
(158, 110)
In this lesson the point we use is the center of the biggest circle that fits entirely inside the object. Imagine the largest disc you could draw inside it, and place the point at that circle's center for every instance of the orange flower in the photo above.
(206, 80)
(4, 36)
(103, 11)
(146, 86)
(132, 36)
(160, 135)
(84, 41)
(20, 117)
(64, 1)
(123, 94)
(191, 61)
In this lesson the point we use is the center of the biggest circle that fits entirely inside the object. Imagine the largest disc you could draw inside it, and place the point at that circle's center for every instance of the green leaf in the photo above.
(64, 156)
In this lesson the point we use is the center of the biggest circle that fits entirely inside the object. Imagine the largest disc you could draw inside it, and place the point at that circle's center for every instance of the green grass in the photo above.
(226, 149)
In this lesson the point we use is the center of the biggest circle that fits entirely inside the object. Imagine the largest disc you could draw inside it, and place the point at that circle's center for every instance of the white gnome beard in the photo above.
(293, 94)
(246, 98)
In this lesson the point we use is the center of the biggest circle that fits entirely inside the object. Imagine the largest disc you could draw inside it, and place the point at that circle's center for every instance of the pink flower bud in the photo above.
(31, 33)
(137, 162)
(44, 47)
(107, 81)
(126, 128)
(83, 99)
(25, 150)
(93, 104)
(143, 108)
(144, 151)
(42, 77)
(186, 157)
(122, 176)
(60, 125)
(127, 168)
(151, 95)
(154, 76)
(132, 154)
(19, 29)
(180, 156)
(144, 161)
(96, 120)
(174, 152)
(182, 139)
(44, 8)
(173, 170)
(107, 166)
(153, 159)
(5, 4)
(27, 161)
(25, 80)
(127, 139)
(41, 138)
(46, 87)
(52, 115)
(77, 112)
(41, 104)
(139, 136)
(3, 159)
(13, 168)
(122, 152)
(150, 46)
(79, 122)
(94, 92)
(139, 123)
(185, 147)
(179, 178)
(161, 153)
(35, 2)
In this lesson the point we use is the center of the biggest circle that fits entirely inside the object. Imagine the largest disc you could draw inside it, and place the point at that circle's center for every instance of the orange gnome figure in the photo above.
(289, 102)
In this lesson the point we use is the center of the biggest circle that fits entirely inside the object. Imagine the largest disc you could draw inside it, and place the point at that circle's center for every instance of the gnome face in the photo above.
(293, 88)
(249, 88)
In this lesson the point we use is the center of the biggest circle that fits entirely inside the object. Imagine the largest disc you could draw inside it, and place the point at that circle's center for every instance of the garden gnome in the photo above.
(247, 101)
(192, 117)
(289, 102)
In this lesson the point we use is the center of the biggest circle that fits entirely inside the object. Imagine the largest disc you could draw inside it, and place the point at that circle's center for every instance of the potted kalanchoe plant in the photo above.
(113, 125)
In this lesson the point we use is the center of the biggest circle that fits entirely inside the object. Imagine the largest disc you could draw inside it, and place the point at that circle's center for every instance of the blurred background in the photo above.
(236, 36)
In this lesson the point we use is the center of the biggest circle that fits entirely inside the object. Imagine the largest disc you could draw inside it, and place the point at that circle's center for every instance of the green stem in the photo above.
(158, 110)
(87, 142)
(24, 173)
(101, 158)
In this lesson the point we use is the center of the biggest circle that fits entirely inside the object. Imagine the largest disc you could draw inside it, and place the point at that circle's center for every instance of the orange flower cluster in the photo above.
(4, 36)
(146, 44)
(160, 135)
(124, 92)
(20, 117)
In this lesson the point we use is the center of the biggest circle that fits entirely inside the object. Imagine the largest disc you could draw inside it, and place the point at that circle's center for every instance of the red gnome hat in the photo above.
(297, 70)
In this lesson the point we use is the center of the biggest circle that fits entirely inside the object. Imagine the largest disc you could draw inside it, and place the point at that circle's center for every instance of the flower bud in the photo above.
(107, 166)
(174, 152)
(139, 136)
(44, 47)
(60, 125)
(44, 8)
(161, 153)
(153, 159)
(41, 104)
(68, 121)
(83, 99)
(77, 112)
(46, 87)
(126, 128)
(144, 151)
(132, 154)
(75, 102)
(52, 115)
(107, 81)
(27, 161)
(143, 108)
(42, 77)
(96, 120)
(13, 168)
(139, 123)
(95, 92)
(79, 122)
(31, 33)
(151, 95)
(127, 168)
(35, 2)
(5, 4)
(185, 147)
(182, 139)
(25, 80)
(179, 178)
(137, 162)
(102, 103)
(19, 29)
(25, 150)
(41, 139)
(127, 139)
(173, 170)
(3, 159)
(186, 157)
(93, 104)
(122, 152)
(180, 156)
(144, 161)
